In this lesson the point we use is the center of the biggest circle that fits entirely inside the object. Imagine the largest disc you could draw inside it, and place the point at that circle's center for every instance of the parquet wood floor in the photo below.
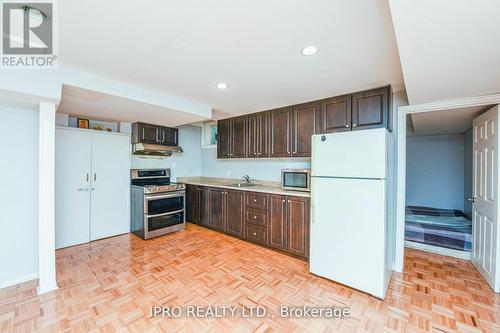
(110, 285)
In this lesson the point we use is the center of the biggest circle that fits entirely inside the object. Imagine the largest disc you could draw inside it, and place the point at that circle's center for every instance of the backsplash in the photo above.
(264, 169)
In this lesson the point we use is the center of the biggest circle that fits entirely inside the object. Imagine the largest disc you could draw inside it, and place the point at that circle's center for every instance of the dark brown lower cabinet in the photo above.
(298, 226)
(217, 205)
(277, 222)
(234, 212)
(204, 205)
(192, 204)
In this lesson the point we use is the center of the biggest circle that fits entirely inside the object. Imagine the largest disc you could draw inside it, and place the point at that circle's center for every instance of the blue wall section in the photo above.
(435, 171)
(468, 172)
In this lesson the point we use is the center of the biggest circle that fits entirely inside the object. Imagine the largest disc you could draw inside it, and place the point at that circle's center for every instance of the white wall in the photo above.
(399, 98)
(18, 196)
(184, 164)
(435, 171)
(262, 169)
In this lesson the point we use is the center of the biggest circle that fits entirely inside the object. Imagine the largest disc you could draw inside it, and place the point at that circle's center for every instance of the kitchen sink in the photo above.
(244, 185)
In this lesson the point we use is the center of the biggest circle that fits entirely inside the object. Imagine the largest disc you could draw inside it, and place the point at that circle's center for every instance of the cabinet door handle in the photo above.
(82, 189)
(255, 217)
(255, 234)
(95, 176)
(354, 125)
(347, 126)
(87, 176)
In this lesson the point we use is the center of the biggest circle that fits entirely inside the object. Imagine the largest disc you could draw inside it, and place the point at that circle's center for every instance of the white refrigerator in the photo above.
(350, 236)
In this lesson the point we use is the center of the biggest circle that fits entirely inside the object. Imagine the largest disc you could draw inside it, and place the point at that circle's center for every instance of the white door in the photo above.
(356, 154)
(110, 190)
(485, 192)
(347, 242)
(72, 188)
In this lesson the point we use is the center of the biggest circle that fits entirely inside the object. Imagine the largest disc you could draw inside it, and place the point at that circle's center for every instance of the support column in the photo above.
(46, 198)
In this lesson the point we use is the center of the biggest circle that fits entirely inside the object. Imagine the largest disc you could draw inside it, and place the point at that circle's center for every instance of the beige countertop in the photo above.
(262, 186)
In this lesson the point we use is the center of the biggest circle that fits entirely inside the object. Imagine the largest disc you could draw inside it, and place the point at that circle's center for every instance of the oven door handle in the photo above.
(165, 214)
(165, 196)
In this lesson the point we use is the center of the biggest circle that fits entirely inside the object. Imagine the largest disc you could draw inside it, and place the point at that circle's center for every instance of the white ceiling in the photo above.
(448, 49)
(452, 121)
(96, 105)
(187, 47)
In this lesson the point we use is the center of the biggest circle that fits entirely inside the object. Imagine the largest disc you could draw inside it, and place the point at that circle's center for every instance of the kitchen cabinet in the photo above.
(335, 115)
(297, 211)
(217, 208)
(169, 136)
(287, 131)
(280, 130)
(277, 222)
(258, 135)
(359, 111)
(370, 109)
(232, 141)
(234, 210)
(303, 127)
(92, 189)
(238, 137)
(204, 205)
(147, 133)
(154, 134)
(192, 204)
(223, 138)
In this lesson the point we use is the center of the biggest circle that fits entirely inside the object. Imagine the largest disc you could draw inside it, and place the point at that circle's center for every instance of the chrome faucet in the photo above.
(247, 178)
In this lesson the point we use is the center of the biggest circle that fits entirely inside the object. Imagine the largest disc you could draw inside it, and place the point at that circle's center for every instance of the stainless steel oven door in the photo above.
(164, 213)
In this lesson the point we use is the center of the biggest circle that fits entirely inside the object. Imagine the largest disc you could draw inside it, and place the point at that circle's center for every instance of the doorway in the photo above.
(438, 210)
(481, 102)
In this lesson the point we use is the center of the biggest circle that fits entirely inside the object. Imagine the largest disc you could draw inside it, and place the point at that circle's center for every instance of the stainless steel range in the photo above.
(158, 206)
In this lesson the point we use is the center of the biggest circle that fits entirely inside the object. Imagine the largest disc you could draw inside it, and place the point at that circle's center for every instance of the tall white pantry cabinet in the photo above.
(92, 185)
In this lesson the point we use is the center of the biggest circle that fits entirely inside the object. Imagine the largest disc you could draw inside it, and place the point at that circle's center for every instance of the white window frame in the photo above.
(206, 133)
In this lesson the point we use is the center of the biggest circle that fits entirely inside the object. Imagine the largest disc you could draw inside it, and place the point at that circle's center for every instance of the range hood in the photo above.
(146, 149)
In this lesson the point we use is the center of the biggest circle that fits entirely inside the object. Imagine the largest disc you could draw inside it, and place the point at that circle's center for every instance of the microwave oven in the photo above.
(296, 179)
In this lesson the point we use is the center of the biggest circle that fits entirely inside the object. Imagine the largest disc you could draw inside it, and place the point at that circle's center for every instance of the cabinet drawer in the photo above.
(256, 200)
(256, 217)
(256, 234)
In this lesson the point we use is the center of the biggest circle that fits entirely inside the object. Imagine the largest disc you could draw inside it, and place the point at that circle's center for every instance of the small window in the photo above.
(209, 134)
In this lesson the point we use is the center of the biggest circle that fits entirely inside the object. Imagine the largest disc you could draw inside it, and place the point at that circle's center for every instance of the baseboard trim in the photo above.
(438, 250)
(13, 282)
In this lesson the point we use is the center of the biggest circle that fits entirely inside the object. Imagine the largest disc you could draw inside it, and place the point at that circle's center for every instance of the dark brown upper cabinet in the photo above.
(370, 109)
(232, 138)
(146, 133)
(280, 129)
(303, 127)
(169, 136)
(154, 134)
(335, 115)
(224, 138)
(287, 131)
(258, 135)
(238, 137)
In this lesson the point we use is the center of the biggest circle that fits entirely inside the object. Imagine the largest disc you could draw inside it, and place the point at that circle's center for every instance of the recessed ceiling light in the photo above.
(310, 50)
(222, 85)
